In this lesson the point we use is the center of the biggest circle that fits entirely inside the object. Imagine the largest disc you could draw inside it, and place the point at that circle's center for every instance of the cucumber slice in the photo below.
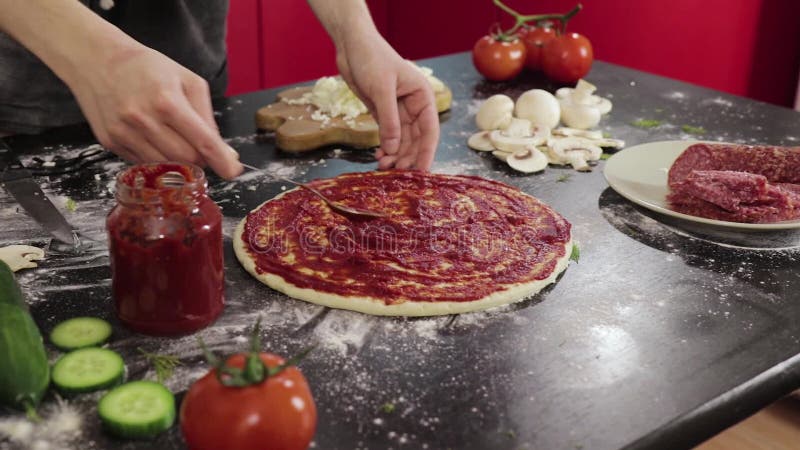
(80, 332)
(139, 409)
(88, 369)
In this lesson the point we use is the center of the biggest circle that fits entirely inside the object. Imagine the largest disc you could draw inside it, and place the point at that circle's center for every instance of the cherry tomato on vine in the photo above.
(498, 59)
(277, 413)
(567, 58)
(535, 38)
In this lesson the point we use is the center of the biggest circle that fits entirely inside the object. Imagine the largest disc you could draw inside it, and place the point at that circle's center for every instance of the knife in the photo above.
(17, 181)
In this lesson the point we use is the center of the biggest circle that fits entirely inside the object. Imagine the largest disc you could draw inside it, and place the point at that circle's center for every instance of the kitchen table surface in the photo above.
(664, 333)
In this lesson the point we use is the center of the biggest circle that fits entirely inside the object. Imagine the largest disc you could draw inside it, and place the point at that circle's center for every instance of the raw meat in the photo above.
(777, 164)
(737, 183)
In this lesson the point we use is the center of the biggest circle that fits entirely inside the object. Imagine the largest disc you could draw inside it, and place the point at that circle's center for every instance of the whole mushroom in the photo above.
(495, 113)
(579, 108)
(538, 106)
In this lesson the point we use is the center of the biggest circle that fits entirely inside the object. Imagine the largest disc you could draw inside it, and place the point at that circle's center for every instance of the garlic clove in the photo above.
(480, 141)
(527, 160)
(539, 107)
(495, 112)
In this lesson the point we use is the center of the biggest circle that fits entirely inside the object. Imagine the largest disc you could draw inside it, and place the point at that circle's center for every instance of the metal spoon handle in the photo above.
(334, 205)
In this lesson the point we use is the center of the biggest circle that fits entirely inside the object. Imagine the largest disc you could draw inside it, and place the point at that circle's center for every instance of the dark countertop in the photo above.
(662, 335)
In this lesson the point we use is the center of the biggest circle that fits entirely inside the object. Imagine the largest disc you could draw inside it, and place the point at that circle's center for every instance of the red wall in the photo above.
(745, 47)
(277, 42)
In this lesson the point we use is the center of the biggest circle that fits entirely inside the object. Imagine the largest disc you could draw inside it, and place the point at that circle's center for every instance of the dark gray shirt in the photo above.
(191, 32)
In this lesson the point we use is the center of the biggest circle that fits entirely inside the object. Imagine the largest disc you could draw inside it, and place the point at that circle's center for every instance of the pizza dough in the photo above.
(448, 244)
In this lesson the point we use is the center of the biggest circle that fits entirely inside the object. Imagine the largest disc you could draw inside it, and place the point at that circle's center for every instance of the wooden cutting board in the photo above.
(296, 131)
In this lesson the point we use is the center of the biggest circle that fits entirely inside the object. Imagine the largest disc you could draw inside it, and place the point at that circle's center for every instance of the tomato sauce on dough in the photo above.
(443, 238)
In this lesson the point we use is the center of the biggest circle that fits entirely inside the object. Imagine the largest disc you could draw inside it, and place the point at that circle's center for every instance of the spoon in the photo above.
(336, 206)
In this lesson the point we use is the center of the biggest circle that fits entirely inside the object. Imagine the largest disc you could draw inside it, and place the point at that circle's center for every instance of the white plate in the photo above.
(639, 173)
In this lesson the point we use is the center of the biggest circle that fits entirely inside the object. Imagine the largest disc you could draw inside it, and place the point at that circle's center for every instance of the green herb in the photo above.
(576, 253)
(658, 110)
(70, 205)
(563, 178)
(605, 156)
(646, 123)
(163, 364)
(693, 130)
(388, 408)
(511, 434)
(606, 134)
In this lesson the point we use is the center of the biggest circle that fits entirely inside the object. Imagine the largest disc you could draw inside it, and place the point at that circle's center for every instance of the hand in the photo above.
(146, 107)
(398, 95)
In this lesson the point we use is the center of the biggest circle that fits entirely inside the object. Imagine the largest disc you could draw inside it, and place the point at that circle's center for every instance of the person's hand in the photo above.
(398, 95)
(146, 107)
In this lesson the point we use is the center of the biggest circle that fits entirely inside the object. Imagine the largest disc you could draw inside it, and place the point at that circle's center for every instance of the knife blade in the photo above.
(17, 181)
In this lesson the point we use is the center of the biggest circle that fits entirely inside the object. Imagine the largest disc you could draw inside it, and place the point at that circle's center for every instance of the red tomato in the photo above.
(498, 60)
(276, 414)
(567, 58)
(535, 38)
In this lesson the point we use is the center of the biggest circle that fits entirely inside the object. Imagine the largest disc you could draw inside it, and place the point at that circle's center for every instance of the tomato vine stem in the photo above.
(522, 19)
(254, 370)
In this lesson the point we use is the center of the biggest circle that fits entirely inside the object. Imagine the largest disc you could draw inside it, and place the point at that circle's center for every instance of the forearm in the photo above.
(344, 20)
(68, 37)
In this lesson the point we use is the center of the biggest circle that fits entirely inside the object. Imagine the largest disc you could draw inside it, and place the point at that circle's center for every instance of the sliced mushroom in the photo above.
(527, 160)
(538, 106)
(589, 134)
(595, 136)
(574, 151)
(21, 256)
(509, 144)
(495, 113)
(608, 142)
(480, 141)
(517, 136)
(582, 93)
(518, 128)
(501, 155)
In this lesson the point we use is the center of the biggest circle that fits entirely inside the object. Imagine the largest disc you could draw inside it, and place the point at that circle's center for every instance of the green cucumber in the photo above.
(139, 409)
(80, 332)
(24, 371)
(10, 293)
(88, 369)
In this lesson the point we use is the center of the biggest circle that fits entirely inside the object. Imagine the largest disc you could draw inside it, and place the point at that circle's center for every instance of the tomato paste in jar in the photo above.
(165, 248)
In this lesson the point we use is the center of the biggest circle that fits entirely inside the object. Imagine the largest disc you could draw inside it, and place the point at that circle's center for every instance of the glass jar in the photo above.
(165, 248)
